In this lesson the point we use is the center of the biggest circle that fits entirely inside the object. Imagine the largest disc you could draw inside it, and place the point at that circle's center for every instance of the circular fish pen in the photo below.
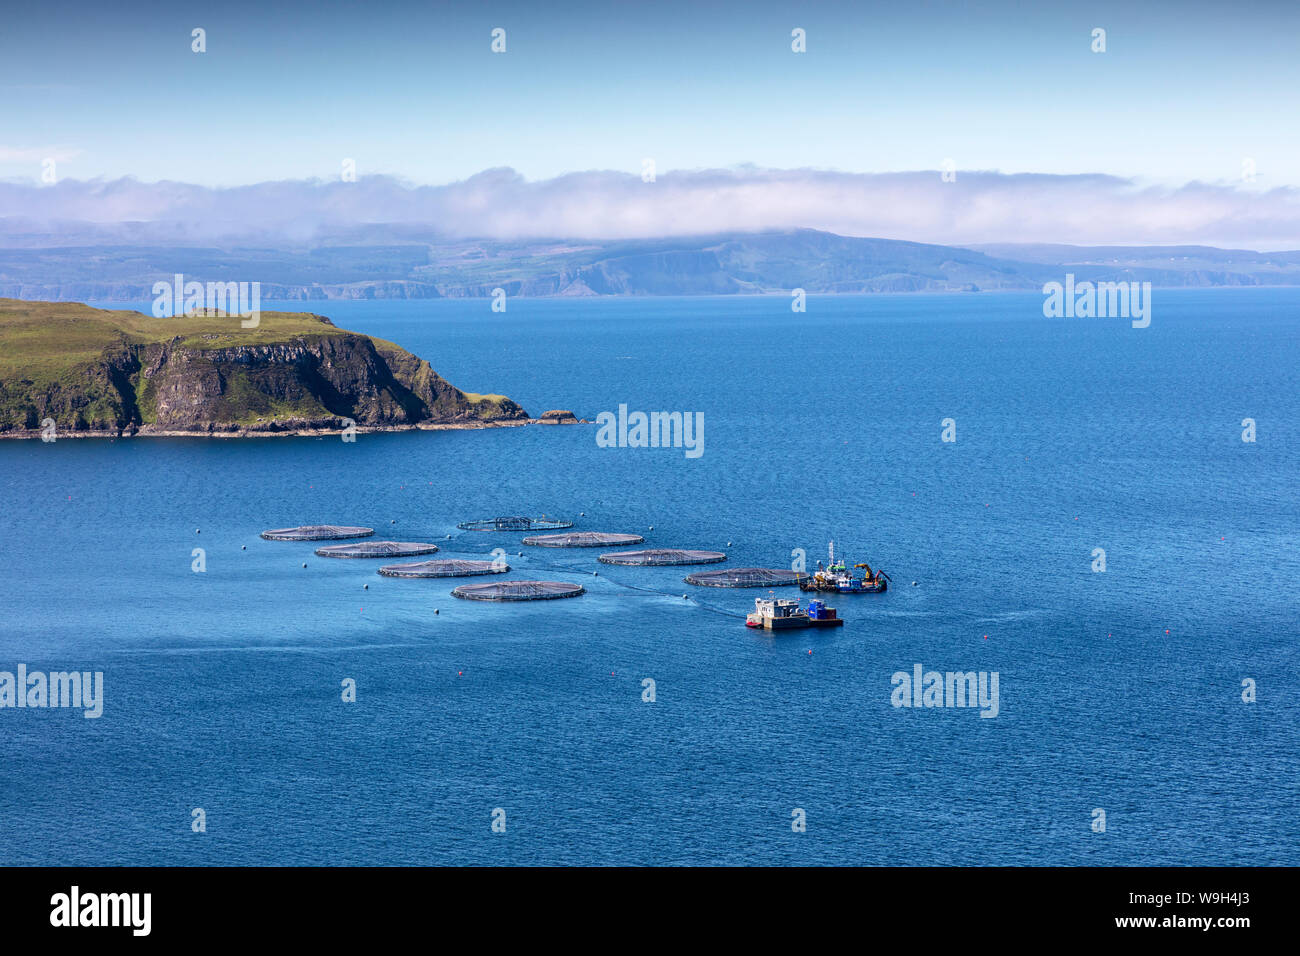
(518, 591)
(745, 578)
(453, 568)
(656, 557)
(514, 523)
(582, 539)
(377, 549)
(317, 532)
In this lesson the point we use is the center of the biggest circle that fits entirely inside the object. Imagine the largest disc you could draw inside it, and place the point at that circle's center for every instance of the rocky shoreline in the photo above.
(288, 429)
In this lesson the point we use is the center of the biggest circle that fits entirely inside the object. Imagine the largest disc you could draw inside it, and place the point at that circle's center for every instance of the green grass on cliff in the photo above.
(47, 339)
(60, 346)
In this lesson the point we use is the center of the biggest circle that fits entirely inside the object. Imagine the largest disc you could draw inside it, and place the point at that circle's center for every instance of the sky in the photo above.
(1185, 92)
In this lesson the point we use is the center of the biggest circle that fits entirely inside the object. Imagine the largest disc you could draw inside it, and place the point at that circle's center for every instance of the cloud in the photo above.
(499, 203)
(14, 154)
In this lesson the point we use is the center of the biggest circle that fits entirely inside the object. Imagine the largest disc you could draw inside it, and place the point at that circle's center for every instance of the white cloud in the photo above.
(14, 154)
(499, 203)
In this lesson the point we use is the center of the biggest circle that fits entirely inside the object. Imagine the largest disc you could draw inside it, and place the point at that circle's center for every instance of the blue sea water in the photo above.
(1119, 690)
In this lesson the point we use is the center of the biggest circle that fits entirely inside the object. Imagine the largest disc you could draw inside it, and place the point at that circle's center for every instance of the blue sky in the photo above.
(1186, 91)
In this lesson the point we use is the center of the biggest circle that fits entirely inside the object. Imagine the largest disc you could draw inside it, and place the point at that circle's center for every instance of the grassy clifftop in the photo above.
(101, 371)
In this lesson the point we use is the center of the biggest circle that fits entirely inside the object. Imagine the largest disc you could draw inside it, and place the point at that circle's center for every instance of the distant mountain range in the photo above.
(397, 262)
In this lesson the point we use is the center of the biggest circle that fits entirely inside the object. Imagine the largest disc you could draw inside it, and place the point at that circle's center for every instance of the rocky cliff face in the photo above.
(307, 382)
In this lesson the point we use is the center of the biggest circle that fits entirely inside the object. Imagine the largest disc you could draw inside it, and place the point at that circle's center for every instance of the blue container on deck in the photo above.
(817, 610)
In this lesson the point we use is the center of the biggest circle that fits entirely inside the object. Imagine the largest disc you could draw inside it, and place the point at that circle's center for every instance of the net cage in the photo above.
(518, 591)
(377, 549)
(655, 557)
(515, 523)
(454, 568)
(582, 539)
(317, 532)
(746, 578)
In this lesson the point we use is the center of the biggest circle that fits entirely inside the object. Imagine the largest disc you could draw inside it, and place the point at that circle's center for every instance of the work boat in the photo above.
(778, 614)
(835, 577)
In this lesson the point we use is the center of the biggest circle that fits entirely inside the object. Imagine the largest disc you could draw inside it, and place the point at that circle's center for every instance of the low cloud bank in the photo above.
(978, 207)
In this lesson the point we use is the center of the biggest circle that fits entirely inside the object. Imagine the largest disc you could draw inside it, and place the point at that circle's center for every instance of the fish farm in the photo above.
(518, 591)
(656, 557)
(745, 578)
(317, 532)
(582, 539)
(377, 549)
(476, 562)
(514, 523)
(453, 568)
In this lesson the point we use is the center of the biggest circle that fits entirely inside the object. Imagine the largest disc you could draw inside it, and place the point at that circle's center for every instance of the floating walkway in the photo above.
(377, 549)
(582, 539)
(655, 557)
(514, 523)
(451, 568)
(518, 591)
(745, 578)
(317, 532)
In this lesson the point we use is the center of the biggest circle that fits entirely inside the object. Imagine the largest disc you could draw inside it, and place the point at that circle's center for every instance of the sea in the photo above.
(1104, 518)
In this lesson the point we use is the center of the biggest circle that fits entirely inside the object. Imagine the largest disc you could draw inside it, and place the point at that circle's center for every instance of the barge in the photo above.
(779, 614)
